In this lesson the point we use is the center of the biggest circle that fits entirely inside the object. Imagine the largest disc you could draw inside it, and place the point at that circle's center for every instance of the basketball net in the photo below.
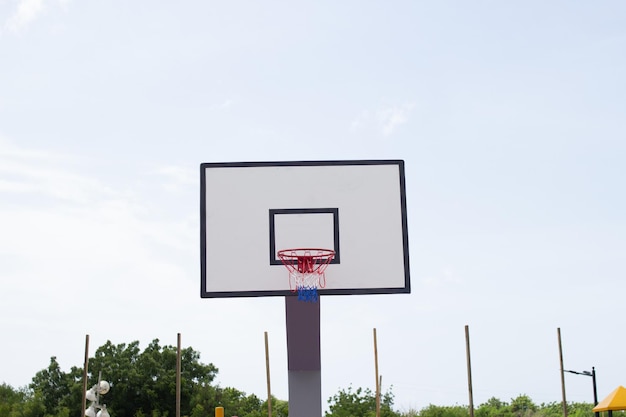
(307, 269)
(306, 285)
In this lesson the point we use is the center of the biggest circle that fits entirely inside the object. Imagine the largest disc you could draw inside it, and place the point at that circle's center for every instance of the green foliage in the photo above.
(117, 364)
(8, 395)
(493, 408)
(523, 406)
(410, 413)
(235, 402)
(553, 409)
(20, 403)
(279, 408)
(584, 410)
(54, 388)
(143, 384)
(360, 403)
(444, 411)
(11, 400)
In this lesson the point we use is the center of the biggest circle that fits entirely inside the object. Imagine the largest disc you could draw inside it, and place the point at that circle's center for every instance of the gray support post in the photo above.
(303, 357)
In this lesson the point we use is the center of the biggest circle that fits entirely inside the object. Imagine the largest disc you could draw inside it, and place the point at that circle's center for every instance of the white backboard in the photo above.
(251, 210)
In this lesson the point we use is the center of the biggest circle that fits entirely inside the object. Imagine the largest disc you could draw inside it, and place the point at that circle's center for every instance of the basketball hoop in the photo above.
(306, 268)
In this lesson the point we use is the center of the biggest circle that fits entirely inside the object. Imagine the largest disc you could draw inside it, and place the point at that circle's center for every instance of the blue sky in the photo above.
(509, 116)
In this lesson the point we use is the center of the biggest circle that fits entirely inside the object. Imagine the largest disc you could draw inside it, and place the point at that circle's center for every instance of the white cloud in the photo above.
(446, 276)
(26, 12)
(384, 120)
(45, 174)
(359, 121)
(67, 245)
(178, 178)
(227, 104)
(224, 105)
(392, 117)
(68, 218)
(179, 174)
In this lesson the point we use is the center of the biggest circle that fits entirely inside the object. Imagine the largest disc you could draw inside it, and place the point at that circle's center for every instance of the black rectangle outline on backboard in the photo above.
(346, 291)
(334, 211)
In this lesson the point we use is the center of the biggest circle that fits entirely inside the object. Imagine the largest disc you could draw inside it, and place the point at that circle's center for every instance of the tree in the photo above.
(493, 407)
(235, 402)
(583, 410)
(53, 387)
(20, 403)
(10, 400)
(360, 403)
(444, 411)
(145, 382)
(142, 383)
(523, 406)
(553, 409)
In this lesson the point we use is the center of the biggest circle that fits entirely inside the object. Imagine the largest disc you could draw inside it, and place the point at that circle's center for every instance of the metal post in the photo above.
(303, 357)
(595, 389)
(592, 374)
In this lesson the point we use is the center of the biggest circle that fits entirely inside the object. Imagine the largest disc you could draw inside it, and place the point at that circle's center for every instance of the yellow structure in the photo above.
(615, 401)
(219, 411)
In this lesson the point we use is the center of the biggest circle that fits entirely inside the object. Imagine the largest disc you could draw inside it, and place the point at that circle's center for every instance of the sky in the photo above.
(510, 117)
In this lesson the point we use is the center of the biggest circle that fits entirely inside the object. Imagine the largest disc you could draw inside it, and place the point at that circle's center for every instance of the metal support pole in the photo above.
(595, 389)
(592, 374)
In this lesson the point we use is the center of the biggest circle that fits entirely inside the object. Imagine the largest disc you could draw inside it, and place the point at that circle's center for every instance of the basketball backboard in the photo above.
(251, 210)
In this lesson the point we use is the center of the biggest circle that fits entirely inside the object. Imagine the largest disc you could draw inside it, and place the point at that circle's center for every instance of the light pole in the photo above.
(592, 374)
(93, 395)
